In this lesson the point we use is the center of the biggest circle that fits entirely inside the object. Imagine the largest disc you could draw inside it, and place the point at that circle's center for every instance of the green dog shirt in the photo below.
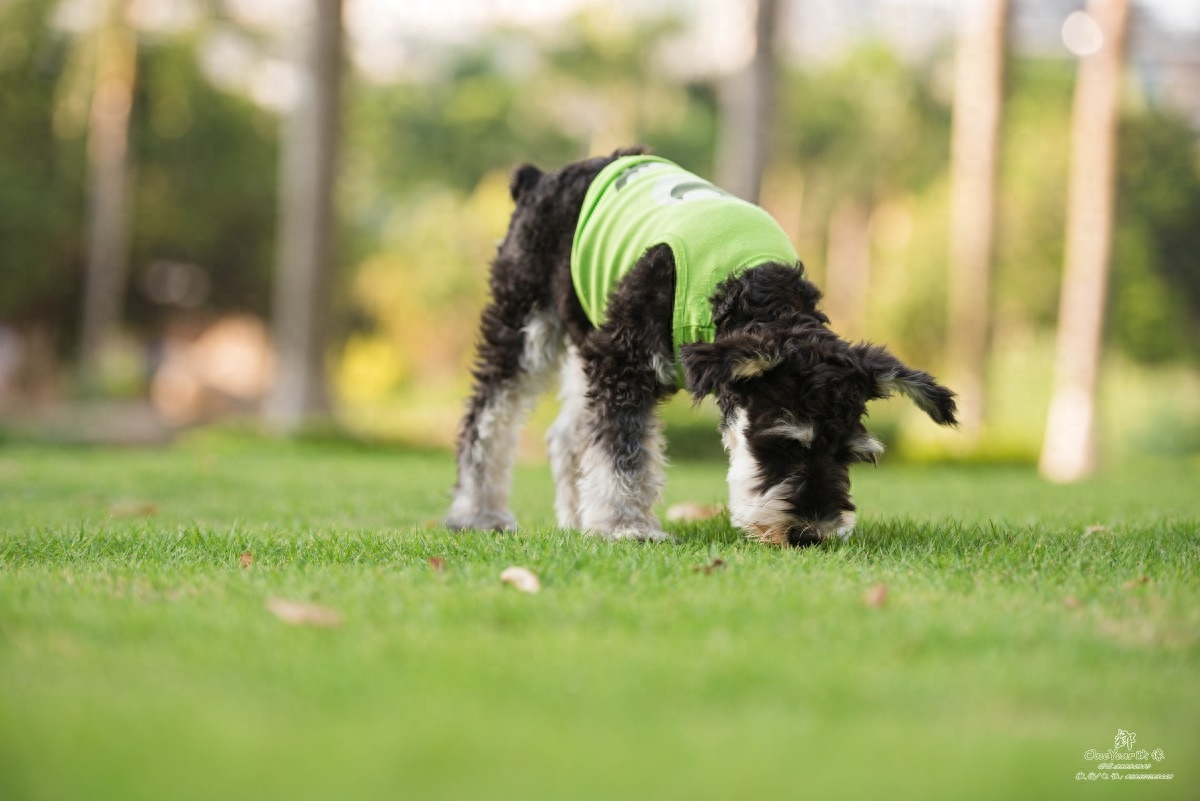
(637, 202)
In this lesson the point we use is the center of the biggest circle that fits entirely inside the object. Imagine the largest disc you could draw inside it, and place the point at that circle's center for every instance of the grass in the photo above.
(1024, 624)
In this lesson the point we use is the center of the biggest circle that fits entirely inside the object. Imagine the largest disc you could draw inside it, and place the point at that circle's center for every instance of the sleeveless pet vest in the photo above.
(637, 202)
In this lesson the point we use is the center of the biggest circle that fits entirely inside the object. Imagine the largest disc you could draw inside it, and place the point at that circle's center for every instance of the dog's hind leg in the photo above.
(514, 365)
(564, 440)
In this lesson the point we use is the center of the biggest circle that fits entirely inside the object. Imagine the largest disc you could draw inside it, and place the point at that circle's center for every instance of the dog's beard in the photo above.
(764, 516)
(769, 516)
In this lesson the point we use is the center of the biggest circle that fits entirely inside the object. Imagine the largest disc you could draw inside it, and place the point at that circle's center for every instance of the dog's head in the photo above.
(793, 396)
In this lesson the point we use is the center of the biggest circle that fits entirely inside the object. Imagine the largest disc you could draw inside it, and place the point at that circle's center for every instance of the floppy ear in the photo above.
(889, 375)
(708, 365)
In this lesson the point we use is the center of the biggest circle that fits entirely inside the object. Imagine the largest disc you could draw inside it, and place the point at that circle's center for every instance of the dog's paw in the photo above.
(482, 521)
(638, 534)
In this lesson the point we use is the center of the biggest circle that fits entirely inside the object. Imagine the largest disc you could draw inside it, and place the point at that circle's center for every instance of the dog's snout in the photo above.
(805, 535)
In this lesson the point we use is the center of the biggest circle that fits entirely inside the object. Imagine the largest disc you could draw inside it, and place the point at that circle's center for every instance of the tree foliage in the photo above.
(204, 187)
(425, 161)
(41, 174)
(1155, 299)
(206, 182)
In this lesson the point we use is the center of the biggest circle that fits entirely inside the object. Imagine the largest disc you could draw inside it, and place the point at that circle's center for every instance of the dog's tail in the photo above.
(524, 178)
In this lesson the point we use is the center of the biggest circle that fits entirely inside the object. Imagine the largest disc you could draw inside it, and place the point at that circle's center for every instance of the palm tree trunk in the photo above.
(747, 104)
(106, 268)
(978, 98)
(1069, 447)
(304, 269)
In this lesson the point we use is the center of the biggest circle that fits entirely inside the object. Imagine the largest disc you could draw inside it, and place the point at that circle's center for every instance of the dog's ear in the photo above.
(708, 365)
(888, 375)
(524, 178)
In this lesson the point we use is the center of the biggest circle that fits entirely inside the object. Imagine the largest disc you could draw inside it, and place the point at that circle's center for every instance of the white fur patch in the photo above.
(867, 447)
(664, 369)
(485, 469)
(564, 440)
(544, 339)
(893, 381)
(846, 525)
(801, 433)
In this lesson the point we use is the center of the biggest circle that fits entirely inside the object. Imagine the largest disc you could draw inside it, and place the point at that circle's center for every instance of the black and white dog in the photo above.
(792, 393)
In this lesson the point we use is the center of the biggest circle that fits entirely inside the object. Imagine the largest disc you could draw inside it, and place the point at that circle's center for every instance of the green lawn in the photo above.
(1023, 625)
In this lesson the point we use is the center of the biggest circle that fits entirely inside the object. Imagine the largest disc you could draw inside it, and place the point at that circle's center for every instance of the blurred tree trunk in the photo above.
(747, 104)
(1068, 450)
(978, 97)
(107, 246)
(304, 270)
(848, 267)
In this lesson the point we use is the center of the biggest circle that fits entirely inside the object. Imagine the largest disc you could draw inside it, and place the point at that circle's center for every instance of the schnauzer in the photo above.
(633, 278)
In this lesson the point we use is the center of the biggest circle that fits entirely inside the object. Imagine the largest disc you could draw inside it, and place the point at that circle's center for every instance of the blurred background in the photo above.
(279, 214)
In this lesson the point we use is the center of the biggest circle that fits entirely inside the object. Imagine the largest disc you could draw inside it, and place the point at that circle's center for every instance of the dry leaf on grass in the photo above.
(132, 509)
(876, 596)
(296, 613)
(521, 578)
(1137, 582)
(437, 564)
(711, 567)
(1097, 529)
(246, 559)
(1071, 602)
(691, 512)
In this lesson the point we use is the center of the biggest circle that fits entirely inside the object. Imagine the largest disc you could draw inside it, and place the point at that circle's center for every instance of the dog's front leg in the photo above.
(621, 470)
(629, 367)
(620, 480)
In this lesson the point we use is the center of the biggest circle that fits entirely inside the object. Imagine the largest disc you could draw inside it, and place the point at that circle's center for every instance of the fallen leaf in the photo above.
(1071, 602)
(711, 567)
(691, 512)
(1090, 530)
(1137, 582)
(876, 596)
(521, 578)
(296, 613)
(132, 509)
(437, 564)
(246, 559)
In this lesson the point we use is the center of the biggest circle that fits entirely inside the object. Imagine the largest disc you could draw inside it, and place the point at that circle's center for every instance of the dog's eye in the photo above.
(800, 433)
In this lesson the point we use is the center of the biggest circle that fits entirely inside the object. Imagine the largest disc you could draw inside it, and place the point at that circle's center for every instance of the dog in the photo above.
(596, 282)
